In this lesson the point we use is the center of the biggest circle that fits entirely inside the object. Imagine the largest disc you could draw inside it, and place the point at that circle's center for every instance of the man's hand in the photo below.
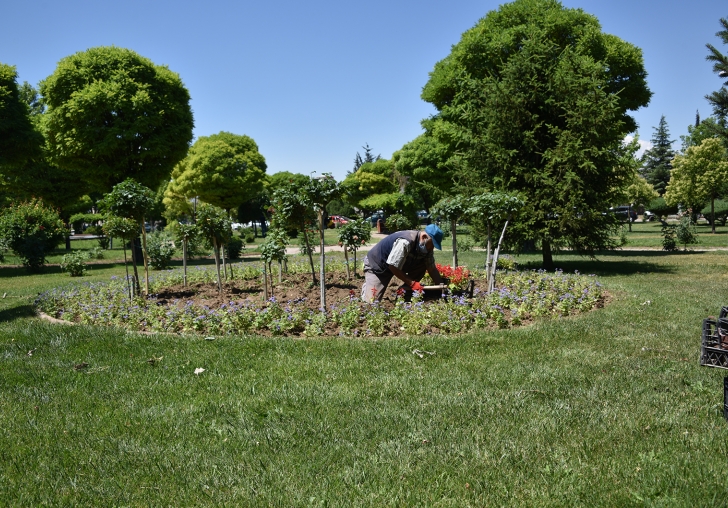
(416, 286)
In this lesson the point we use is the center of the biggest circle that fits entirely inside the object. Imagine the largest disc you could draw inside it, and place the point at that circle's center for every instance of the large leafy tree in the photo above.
(113, 114)
(224, 170)
(429, 165)
(657, 161)
(719, 99)
(18, 138)
(700, 175)
(536, 97)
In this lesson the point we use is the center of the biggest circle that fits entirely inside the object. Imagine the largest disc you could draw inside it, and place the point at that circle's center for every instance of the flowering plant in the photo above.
(455, 278)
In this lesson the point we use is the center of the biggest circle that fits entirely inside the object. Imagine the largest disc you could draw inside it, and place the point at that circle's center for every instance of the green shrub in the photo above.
(668, 238)
(160, 249)
(720, 209)
(103, 242)
(74, 264)
(685, 232)
(398, 222)
(234, 247)
(96, 253)
(659, 207)
(249, 235)
(506, 262)
(32, 230)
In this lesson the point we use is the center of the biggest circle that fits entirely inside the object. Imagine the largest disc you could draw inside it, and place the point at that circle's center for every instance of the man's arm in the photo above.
(435, 274)
(401, 275)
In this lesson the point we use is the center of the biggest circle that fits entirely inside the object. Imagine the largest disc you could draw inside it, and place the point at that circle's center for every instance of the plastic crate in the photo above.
(714, 343)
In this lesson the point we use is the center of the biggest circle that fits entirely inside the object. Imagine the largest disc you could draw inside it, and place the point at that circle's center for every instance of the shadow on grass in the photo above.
(17, 312)
(613, 263)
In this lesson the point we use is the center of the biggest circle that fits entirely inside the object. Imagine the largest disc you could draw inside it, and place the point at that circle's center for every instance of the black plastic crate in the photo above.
(714, 343)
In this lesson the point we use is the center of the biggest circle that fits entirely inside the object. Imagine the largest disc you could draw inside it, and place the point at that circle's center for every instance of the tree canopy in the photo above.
(113, 114)
(224, 170)
(19, 141)
(536, 98)
(719, 99)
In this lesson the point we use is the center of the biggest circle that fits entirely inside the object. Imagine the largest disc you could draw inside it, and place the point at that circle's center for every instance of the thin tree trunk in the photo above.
(309, 251)
(712, 214)
(184, 262)
(265, 281)
(216, 251)
(270, 270)
(146, 263)
(322, 271)
(224, 267)
(280, 271)
(126, 267)
(134, 261)
(355, 263)
(629, 217)
(453, 225)
(346, 257)
(487, 258)
(491, 281)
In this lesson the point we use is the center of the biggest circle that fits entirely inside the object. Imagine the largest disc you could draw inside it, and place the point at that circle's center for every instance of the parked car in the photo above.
(624, 213)
(375, 217)
(337, 220)
(649, 216)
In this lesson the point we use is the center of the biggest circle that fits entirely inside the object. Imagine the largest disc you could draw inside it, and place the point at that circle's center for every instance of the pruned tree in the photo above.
(215, 226)
(320, 191)
(127, 230)
(452, 209)
(132, 200)
(113, 114)
(352, 236)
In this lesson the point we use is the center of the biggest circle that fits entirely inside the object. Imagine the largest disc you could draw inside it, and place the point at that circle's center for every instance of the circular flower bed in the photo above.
(293, 309)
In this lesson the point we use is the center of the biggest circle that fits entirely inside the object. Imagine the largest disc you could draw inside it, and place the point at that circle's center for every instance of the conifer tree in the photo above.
(656, 162)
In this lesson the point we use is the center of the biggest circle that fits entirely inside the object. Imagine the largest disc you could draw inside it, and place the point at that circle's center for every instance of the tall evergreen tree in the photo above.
(719, 99)
(656, 162)
(368, 157)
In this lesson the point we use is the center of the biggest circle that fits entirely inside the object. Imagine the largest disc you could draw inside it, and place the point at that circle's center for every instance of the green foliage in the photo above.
(74, 264)
(685, 232)
(95, 253)
(320, 191)
(274, 246)
(354, 234)
(113, 114)
(659, 207)
(160, 249)
(213, 224)
(719, 99)
(234, 247)
(128, 199)
(720, 210)
(657, 161)
(399, 222)
(77, 220)
(535, 97)
(224, 170)
(121, 227)
(369, 184)
(669, 243)
(32, 230)
(249, 235)
(19, 141)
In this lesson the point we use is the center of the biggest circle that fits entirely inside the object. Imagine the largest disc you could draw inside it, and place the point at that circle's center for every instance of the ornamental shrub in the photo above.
(160, 249)
(686, 233)
(234, 247)
(32, 230)
(74, 264)
(398, 222)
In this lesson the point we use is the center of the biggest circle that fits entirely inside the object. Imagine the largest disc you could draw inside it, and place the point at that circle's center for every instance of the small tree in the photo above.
(131, 200)
(215, 226)
(452, 209)
(183, 233)
(492, 209)
(292, 207)
(32, 230)
(128, 231)
(352, 236)
(320, 192)
(273, 249)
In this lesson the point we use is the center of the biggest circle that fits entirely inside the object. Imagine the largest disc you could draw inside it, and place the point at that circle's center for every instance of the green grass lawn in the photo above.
(610, 408)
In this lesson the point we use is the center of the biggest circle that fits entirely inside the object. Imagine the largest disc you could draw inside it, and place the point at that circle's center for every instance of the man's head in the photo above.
(432, 237)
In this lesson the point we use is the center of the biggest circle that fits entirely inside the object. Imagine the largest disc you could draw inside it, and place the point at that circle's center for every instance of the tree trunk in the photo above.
(548, 260)
(68, 242)
(184, 262)
(629, 217)
(146, 262)
(309, 251)
(216, 251)
(453, 225)
(280, 271)
(355, 263)
(487, 258)
(322, 270)
(712, 214)
(134, 261)
(346, 258)
(494, 263)
(126, 267)
(265, 281)
(224, 267)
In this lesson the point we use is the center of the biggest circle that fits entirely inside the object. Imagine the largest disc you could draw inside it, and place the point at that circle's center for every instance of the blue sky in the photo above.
(313, 81)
